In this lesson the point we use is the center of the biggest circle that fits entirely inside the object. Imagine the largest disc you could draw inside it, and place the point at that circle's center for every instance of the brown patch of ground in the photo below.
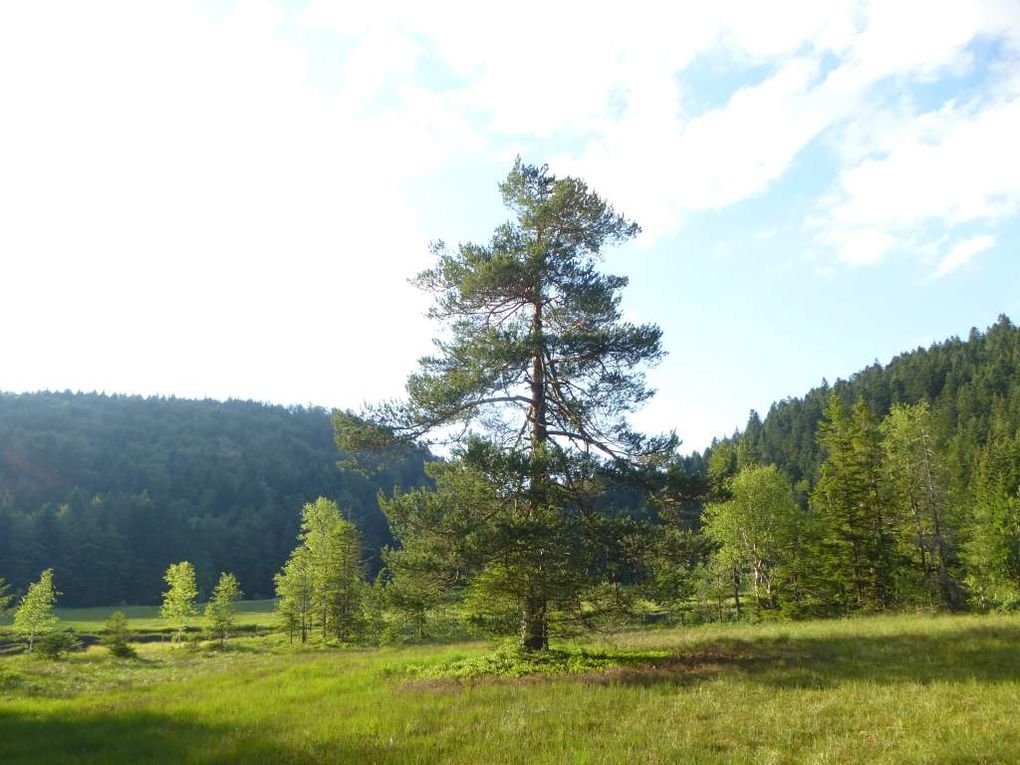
(682, 667)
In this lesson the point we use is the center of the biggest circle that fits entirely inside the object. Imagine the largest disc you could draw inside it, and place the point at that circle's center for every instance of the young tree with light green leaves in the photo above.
(34, 616)
(324, 579)
(294, 594)
(337, 576)
(756, 529)
(221, 610)
(179, 601)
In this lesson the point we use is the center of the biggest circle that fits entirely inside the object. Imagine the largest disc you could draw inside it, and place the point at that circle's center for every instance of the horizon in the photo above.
(241, 222)
(309, 406)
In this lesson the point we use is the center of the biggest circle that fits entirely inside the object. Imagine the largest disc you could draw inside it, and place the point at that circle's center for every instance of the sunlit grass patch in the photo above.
(914, 689)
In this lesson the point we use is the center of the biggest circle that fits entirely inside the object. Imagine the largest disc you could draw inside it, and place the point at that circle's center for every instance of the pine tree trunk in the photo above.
(534, 627)
(534, 633)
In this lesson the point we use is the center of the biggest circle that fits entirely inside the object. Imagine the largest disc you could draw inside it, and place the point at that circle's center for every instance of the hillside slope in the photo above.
(972, 385)
(108, 490)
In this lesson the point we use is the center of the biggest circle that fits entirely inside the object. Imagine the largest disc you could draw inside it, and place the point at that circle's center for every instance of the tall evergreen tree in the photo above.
(537, 361)
(852, 498)
(992, 551)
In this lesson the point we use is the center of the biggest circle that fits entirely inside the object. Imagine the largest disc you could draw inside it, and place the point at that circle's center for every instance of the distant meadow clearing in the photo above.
(917, 689)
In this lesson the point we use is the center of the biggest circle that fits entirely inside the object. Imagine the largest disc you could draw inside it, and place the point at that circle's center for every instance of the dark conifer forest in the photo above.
(109, 490)
(972, 386)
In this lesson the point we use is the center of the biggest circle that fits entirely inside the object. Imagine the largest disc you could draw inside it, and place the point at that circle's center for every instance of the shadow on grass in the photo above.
(148, 737)
(984, 654)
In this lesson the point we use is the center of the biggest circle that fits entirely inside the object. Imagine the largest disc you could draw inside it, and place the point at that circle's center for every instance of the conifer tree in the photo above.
(992, 551)
(537, 371)
(116, 636)
(294, 594)
(179, 601)
(221, 610)
(852, 498)
(5, 596)
(34, 616)
(324, 578)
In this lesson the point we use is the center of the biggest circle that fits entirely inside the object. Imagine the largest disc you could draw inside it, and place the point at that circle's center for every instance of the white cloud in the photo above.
(965, 169)
(930, 172)
(963, 253)
(608, 81)
(861, 246)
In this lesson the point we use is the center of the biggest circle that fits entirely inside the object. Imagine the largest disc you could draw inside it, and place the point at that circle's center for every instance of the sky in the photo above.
(226, 200)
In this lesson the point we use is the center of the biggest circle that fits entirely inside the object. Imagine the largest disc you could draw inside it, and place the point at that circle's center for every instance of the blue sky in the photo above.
(226, 199)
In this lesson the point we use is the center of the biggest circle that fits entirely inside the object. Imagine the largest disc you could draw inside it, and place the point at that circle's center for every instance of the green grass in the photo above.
(914, 689)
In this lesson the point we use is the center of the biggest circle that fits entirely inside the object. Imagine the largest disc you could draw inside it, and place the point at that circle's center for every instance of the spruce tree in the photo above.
(116, 636)
(221, 610)
(852, 498)
(992, 551)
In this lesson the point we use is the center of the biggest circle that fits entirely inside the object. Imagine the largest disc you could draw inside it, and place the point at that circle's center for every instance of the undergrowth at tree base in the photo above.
(513, 661)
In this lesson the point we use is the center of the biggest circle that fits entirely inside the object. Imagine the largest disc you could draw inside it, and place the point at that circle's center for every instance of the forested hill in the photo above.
(972, 385)
(109, 490)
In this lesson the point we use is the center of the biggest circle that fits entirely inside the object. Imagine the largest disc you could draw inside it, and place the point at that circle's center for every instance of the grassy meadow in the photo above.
(917, 689)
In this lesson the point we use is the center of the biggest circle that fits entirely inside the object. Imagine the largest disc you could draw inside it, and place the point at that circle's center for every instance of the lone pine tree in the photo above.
(535, 374)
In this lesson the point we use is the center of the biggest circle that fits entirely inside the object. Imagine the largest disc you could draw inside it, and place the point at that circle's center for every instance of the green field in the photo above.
(882, 689)
(257, 613)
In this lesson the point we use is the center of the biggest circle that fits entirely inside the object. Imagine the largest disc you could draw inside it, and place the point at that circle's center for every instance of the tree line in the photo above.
(322, 586)
(913, 469)
(551, 515)
(110, 490)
